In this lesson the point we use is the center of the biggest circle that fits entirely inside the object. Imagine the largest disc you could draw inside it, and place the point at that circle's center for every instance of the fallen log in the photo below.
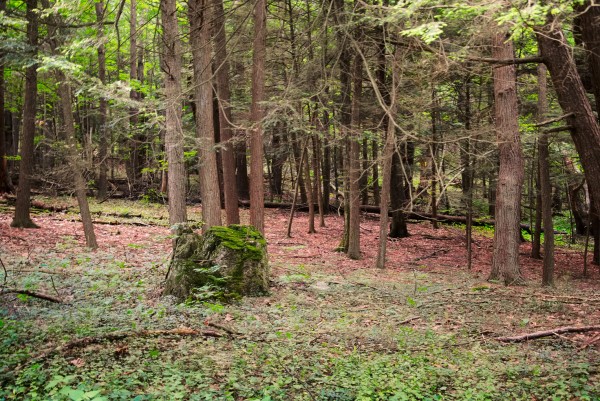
(441, 218)
(547, 333)
(39, 295)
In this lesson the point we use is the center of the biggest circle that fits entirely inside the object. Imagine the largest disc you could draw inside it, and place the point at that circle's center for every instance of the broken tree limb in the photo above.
(553, 120)
(85, 341)
(39, 295)
(547, 333)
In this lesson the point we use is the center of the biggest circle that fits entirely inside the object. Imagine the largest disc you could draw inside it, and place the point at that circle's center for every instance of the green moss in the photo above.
(242, 238)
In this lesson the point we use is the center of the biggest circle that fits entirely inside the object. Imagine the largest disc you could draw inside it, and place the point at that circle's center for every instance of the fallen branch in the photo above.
(33, 294)
(86, 341)
(547, 333)
(410, 319)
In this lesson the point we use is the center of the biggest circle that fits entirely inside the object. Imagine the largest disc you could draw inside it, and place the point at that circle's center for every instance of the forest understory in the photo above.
(424, 328)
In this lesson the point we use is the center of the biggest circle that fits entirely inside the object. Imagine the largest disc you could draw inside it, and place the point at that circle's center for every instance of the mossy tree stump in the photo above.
(227, 262)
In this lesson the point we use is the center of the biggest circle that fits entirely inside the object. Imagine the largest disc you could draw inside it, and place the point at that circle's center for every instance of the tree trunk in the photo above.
(199, 18)
(256, 135)
(505, 263)
(354, 167)
(77, 164)
(225, 117)
(173, 123)
(572, 98)
(388, 153)
(309, 190)
(22, 216)
(433, 149)
(103, 107)
(545, 185)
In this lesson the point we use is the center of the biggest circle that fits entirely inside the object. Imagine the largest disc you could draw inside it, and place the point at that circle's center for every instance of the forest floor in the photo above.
(424, 328)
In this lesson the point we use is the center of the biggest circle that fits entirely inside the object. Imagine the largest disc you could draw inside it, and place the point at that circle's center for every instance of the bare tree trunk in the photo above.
(505, 263)
(173, 127)
(388, 153)
(199, 18)
(572, 98)
(354, 167)
(256, 138)
(103, 108)
(309, 190)
(545, 185)
(64, 94)
(22, 216)
(225, 117)
(433, 149)
(4, 177)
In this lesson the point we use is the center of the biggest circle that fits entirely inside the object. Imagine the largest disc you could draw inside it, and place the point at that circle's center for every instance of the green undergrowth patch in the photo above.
(361, 336)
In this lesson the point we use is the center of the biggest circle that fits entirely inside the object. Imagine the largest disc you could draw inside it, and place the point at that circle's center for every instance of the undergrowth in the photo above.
(366, 336)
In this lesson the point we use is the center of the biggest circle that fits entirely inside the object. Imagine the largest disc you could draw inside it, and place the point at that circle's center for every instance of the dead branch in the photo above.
(553, 120)
(33, 294)
(86, 341)
(511, 61)
(410, 319)
(547, 333)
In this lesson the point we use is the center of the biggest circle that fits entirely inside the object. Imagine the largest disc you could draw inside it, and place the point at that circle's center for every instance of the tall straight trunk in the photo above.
(199, 18)
(5, 184)
(103, 107)
(317, 184)
(225, 118)
(505, 262)
(545, 184)
(134, 143)
(173, 129)
(354, 167)
(364, 173)
(536, 236)
(388, 153)
(309, 190)
(257, 192)
(433, 149)
(572, 98)
(4, 177)
(75, 160)
(22, 216)
(297, 154)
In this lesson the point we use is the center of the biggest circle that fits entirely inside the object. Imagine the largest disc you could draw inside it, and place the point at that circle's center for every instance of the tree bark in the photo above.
(505, 262)
(22, 216)
(173, 124)
(256, 134)
(353, 167)
(545, 184)
(572, 98)
(388, 153)
(225, 118)
(64, 94)
(199, 18)
(103, 107)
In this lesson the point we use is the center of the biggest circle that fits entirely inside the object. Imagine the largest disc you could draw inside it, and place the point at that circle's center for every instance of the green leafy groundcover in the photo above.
(281, 368)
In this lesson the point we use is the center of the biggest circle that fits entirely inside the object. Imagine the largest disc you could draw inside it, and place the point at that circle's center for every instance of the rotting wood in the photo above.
(39, 295)
(547, 333)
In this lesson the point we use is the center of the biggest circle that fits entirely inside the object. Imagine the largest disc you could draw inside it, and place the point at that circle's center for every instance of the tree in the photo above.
(505, 262)
(103, 108)
(545, 184)
(199, 17)
(173, 125)
(225, 117)
(257, 195)
(22, 216)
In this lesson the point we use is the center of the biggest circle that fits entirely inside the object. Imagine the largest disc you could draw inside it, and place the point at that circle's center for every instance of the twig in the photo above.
(39, 295)
(547, 333)
(225, 329)
(5, 273)
(410, 319)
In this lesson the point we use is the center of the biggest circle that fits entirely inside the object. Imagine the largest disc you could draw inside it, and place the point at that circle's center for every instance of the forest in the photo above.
(333, 200)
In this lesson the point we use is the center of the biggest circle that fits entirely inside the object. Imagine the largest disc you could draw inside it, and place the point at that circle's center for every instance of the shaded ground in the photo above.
(332, 329)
